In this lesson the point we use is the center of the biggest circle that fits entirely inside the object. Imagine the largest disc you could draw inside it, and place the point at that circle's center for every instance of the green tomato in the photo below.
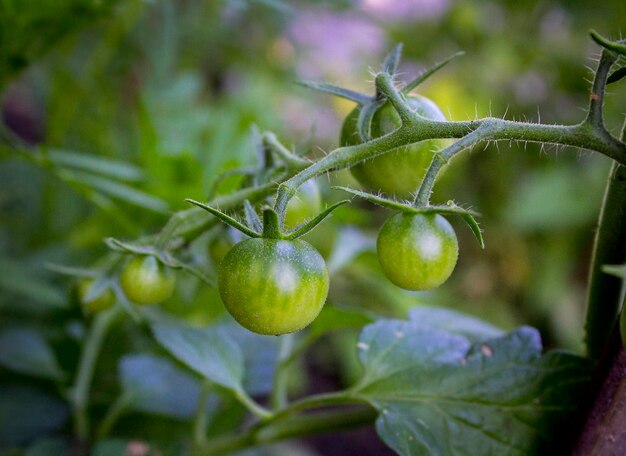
(417, 251)
(273, 286)
(103, 301)
(146, 281)
(400, 171)
(306, 203)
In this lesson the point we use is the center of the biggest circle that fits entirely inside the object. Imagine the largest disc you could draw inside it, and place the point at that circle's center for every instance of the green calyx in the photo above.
(270, 227)
(406, 207)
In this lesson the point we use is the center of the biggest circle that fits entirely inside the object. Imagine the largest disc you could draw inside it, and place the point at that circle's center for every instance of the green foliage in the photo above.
(114, 112)
(439, 393)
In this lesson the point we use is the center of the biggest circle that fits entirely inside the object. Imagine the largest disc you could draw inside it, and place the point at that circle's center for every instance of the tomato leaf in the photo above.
(447, 320)
(24, 350)
(364, 121)
(348, 94)
(155, 385)
(437, 393)
(226, 219)
(26, 413)
(211, 352)
(105, 166)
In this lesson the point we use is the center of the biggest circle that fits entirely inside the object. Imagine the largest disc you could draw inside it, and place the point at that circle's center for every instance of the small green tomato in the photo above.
(417, 251)
(400, 171)
(103, 301)
(273, 286)
(146, 281)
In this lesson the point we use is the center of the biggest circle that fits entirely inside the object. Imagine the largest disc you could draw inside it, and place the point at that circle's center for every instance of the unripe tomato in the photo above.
(146, 281)
(101, 302)
(273, 286)
(417, 251)
(306, 203)
(400, 171)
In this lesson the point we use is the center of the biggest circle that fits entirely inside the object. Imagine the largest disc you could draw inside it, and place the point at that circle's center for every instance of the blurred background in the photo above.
(137, 105)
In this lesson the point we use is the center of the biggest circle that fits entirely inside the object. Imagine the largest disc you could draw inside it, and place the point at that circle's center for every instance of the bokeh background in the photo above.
(172, 90)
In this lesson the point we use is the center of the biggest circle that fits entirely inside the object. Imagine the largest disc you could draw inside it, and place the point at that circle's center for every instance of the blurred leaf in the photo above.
(617, 75)
(349, 244)
(48, 447)
(450, 321)
(390, 64)
(555, 198)
(439, 394)
(209, 351)
(116, 190)
(260, 354)
(96, 164)
(155, 385)
(19, 279)
(26, 413)
(24, 350)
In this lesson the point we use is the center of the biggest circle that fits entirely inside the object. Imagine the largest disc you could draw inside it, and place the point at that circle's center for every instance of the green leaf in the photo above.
(116, 190)
(27, 413)
(209, 351)
(19, 279)
(24, 350)
(96, 164)
(438, 394)
(364, 121)
(156, 386)
(473, 224)
(333, 318)
(450, 321)
(390, 64)
(358, 97)
(252, 218)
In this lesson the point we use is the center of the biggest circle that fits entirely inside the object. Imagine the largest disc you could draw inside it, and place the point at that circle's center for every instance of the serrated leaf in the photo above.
(450, 321)
(390, 64)
(617, 75)
(24, 350)
(26, 413)
(348, 94)
(209, 351)
(116, 190)
(155, 385)
(438, 394)
(96, 164)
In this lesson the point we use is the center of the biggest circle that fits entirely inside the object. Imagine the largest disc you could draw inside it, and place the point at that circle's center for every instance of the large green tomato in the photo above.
(101, 302)
(272, 286)
(417, 251)
(400, 171)
(146, 281)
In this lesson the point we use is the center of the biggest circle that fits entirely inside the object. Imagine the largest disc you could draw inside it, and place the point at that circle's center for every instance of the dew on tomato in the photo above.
(273, 286)
(417, 251)
(397, 172)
